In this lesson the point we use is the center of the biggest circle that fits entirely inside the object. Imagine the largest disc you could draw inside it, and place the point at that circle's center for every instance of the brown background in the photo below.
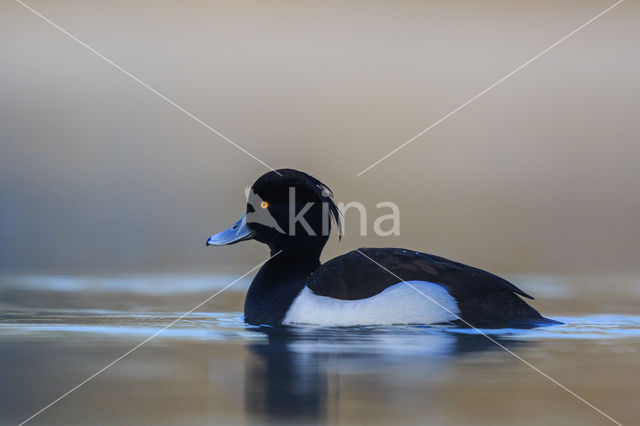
(539, 175)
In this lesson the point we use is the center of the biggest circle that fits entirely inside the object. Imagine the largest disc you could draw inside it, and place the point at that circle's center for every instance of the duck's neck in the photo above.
(287, 265)
(278, 283)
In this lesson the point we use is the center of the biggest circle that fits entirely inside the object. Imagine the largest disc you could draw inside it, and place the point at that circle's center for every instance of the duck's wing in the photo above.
(366, 272)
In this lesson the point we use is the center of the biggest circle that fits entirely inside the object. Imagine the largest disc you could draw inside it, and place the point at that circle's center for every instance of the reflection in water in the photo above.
(280, 383)
(288, 378)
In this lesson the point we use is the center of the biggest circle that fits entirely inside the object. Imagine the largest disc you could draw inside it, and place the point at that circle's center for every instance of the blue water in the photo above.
(212, 368)
(231, 325)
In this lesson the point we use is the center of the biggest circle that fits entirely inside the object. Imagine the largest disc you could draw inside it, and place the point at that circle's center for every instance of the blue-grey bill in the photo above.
(238, 232)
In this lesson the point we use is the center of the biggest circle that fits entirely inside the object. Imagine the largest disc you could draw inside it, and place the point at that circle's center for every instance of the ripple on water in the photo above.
(231, 326)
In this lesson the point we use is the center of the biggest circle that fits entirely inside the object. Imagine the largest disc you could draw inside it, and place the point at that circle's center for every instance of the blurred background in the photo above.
(108, 193)
(98, 174)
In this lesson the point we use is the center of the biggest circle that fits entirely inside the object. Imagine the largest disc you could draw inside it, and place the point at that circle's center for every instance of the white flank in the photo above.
(397, 304)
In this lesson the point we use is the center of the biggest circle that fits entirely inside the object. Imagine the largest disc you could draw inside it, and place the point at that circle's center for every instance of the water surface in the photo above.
(212, 368)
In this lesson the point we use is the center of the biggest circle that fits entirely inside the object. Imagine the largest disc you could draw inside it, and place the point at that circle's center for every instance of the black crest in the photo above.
(270, 185)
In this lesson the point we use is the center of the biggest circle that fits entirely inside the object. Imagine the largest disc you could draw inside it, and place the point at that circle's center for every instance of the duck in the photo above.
(293, 212)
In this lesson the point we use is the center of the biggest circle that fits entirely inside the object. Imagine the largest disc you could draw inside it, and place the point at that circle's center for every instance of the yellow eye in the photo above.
(264, 204)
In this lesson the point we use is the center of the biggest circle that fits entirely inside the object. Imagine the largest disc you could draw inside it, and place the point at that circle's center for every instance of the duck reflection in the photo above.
(281, 383)
(293, 375)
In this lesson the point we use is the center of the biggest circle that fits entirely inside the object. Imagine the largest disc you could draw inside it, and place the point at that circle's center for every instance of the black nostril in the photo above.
(234, 226)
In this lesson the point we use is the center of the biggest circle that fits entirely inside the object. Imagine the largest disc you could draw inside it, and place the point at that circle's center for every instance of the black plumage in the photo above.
(482, 298)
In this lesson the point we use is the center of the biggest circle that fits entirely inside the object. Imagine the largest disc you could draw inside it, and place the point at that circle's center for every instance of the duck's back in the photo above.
(391, 285)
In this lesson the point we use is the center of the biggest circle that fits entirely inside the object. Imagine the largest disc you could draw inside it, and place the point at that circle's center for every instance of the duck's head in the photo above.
(287, 210)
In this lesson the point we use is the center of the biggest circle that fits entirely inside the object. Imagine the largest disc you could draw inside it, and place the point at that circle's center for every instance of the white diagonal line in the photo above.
(498, 343)
(142, 83)
(492, 86)
(146, 340)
